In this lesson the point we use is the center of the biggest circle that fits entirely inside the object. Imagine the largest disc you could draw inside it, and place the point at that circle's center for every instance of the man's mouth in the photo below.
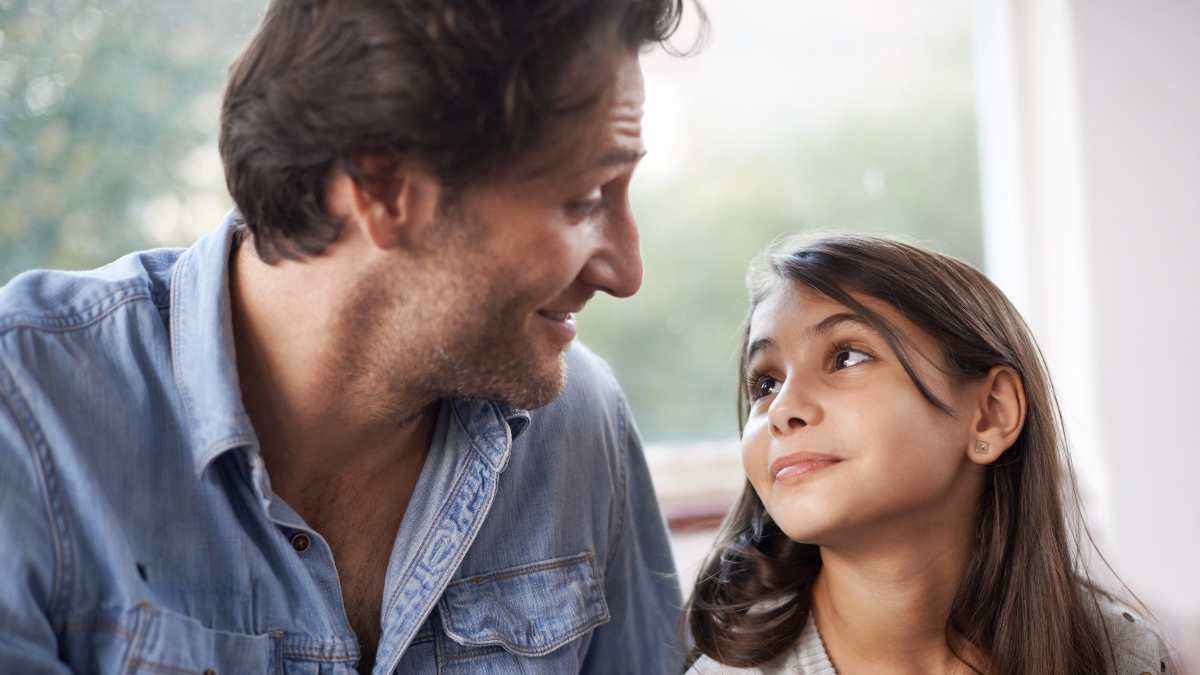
(555, 316)
(561, 322)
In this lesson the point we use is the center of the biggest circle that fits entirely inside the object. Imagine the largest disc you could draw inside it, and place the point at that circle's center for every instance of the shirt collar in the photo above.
(492, 428)
(202, 349)
(205, 362)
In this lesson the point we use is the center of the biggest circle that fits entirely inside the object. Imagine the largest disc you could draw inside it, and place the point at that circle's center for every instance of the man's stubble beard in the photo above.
(411, 342)
(495, 359)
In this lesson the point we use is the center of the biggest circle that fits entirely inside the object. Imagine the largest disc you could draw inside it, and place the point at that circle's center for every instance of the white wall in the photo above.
(1139, 75)
(1090, 143)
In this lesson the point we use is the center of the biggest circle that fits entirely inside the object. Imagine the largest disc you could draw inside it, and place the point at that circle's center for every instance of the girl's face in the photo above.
(840, 445)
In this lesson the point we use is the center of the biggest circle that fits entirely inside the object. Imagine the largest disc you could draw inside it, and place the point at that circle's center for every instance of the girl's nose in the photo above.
(792, 410)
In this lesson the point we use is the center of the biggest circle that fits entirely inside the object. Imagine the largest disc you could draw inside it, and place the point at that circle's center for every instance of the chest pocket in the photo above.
(526, 611)
(166, 643)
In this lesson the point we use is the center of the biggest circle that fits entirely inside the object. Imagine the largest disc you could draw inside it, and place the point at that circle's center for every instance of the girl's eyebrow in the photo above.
(832, 321)
(823, 328)
(757, 346)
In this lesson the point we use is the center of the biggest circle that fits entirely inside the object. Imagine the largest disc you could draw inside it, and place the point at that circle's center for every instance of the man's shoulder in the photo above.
(57, 301)
(586, 429)
(73, 343)
(591, 395)
(589, 381)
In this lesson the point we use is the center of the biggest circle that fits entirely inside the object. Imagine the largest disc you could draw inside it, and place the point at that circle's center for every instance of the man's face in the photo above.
(521, 256)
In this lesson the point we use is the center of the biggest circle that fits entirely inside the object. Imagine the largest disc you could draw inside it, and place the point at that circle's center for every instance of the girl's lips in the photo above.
(793, 467)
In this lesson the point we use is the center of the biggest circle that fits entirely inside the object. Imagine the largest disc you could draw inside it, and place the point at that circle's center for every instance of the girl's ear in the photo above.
(999, 414)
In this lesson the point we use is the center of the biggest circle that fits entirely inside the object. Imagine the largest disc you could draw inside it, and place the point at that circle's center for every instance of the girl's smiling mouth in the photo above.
(793, 467)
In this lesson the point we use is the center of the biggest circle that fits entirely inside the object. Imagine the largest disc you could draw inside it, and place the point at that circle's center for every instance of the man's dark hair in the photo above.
(464, 87)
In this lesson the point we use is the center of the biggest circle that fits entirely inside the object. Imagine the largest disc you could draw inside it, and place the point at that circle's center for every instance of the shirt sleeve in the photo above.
(32, 575)
(640, 584)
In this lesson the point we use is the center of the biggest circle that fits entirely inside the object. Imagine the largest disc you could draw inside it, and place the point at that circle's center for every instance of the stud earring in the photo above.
(981, 447)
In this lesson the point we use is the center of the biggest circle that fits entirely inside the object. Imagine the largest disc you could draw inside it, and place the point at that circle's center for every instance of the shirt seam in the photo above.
(176, 372)
(79, 319)
(526, 569)
(618, 532)
(159, 668)
(470, 653)
(542, 651)
(51, 495)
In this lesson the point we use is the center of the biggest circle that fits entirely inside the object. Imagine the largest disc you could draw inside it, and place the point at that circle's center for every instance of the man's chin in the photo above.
(537, 387)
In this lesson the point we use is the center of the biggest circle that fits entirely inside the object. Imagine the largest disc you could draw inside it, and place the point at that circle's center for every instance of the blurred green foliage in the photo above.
(672, 346)
(101, 102)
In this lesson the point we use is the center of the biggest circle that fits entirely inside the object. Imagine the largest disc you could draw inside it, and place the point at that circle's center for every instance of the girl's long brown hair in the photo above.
(1026, 603)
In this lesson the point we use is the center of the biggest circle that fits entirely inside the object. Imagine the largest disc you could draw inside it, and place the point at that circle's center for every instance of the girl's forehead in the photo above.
(791, 307)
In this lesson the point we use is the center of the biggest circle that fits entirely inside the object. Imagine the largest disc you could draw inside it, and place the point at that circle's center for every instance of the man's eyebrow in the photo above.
(618, 157)
(621, 157)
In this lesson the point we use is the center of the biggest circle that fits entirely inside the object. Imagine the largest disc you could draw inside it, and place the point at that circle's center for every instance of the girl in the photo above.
(910, 506)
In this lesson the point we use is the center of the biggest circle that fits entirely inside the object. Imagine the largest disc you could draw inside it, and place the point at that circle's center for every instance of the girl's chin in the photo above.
(812, 521)
(804, 529)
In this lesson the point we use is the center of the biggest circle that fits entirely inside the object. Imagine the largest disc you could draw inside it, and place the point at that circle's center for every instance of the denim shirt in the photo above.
(139, 532)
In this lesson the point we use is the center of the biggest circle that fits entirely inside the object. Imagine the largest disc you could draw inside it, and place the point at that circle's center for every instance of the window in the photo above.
(799, 115)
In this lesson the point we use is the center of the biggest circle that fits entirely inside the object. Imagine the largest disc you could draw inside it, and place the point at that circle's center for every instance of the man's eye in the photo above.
(849, 357)
(590, 202)
(765, 387)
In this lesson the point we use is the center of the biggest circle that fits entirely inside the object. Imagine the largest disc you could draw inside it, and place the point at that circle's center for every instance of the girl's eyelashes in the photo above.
(759, 386)
(843, 356)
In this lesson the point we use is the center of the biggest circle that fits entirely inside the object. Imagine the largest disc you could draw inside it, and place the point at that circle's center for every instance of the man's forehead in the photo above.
(607, 134)
(614, 129)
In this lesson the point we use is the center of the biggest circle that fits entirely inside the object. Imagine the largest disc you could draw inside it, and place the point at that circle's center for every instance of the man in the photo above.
(340, 433)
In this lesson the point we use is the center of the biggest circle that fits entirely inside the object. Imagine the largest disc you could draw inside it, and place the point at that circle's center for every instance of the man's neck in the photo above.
(318, 421)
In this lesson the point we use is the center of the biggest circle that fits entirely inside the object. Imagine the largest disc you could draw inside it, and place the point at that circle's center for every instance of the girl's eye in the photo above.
(765, 387)
(849, 357)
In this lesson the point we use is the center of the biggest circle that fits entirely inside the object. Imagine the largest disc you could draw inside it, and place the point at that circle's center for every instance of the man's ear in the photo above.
(999, 414)
(391, 201)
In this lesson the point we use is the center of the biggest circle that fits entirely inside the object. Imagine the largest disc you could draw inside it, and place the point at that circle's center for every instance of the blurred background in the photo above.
(1055, 144)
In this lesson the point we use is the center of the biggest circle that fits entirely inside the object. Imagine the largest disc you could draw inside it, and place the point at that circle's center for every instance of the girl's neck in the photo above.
(887, 611)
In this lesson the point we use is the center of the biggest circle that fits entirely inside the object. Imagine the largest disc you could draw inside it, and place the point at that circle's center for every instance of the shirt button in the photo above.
(300, 542)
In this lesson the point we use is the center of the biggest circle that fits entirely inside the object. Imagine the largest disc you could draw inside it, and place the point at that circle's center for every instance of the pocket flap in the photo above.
(531, 609)
(172, 644)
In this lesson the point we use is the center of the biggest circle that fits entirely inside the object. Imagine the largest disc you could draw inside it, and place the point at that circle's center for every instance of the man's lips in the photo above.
(792, 467)
(561, 322)
(554, 315)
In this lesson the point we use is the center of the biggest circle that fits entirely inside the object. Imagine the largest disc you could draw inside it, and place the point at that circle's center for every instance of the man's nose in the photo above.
(616, 263)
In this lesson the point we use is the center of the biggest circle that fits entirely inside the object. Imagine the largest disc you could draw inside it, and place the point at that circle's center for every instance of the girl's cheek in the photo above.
(755, 442)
